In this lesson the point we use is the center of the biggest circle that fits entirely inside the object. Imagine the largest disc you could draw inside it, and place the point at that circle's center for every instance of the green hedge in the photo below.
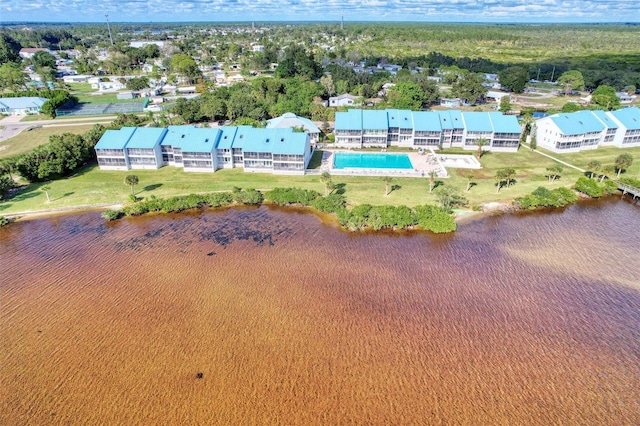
(543, 197)
(430, 218)
(595, 189)
(631, 181)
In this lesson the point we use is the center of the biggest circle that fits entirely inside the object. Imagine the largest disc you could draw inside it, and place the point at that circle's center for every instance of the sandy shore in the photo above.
(36, 214)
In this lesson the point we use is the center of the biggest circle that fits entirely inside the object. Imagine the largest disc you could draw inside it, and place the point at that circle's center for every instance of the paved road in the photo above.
(13, 126)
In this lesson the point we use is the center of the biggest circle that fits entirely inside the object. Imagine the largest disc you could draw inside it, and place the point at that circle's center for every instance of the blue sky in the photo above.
(539, 11)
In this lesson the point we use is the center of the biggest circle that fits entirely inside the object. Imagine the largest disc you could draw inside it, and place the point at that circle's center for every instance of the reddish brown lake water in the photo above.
(513, 320)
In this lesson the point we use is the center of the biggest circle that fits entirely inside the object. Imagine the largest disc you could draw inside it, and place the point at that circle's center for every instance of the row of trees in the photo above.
(621, 164)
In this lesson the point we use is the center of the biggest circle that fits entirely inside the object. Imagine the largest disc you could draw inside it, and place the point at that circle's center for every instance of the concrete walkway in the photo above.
(555, 159)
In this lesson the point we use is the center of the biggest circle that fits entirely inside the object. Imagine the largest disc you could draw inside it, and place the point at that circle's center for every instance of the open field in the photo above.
(88, 95)
(93, 186)
(28, 140)
(588, 44)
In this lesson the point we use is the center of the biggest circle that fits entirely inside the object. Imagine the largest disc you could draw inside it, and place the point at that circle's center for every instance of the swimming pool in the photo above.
(343, 160)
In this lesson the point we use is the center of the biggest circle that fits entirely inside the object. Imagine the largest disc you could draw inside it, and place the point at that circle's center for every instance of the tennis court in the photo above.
(98, 109)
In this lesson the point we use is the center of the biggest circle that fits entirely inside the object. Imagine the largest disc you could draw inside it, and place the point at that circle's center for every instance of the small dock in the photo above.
(628, 189)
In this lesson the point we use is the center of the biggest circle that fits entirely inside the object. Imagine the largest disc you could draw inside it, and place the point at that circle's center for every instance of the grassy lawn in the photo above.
(87, 95)
(604, 155)
(35, 117)
(30, 139)
(93, 186)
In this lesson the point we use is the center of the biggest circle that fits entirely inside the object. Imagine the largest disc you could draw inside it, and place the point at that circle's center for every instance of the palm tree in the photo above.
(387, 183)
(131, 180)
(623, 161)
(45, 189)
(325, 178)
(469, 177)
(593, 167)
(607, 170)
(432, 179)
(504, 175)
(480, 142)
(553, 172)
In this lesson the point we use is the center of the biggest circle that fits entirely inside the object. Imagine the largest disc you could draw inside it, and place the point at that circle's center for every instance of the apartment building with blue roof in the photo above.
(419, 129)
(143, 148)
(629, 121)
(577, 131)
(111, 149)
(197, 149)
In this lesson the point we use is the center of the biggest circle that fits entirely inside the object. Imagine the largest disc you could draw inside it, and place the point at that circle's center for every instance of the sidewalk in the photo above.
(555, 159)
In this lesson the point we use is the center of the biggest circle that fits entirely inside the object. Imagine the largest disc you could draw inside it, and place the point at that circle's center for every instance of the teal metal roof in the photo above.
(200, 140)
(606, 119)
(577, 123)
(243, 133)
(146, 137)
(454, 118)
(504, 123)
(477, 122)
(291, 120)
(406, 119)
(227, 135)
(115, 139)
(175, 135)
(350, 120)
(393, 116)
(276, 141)
(401, 118)
(629, 117)
(374, 120)
(426, 121)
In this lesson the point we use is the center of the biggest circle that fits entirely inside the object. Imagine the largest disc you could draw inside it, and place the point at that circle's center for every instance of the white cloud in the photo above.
(320, 10)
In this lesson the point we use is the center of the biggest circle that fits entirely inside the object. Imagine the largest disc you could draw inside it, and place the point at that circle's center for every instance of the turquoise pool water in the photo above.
(343, 160)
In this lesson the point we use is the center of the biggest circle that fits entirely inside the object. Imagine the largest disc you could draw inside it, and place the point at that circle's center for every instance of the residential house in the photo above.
(450, 102)
(21, 106)
(290, 120)
(493, 96)
(342, 100)
(28, 52)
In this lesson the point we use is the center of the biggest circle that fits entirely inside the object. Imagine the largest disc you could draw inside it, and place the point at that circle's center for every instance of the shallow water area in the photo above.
(514, 319)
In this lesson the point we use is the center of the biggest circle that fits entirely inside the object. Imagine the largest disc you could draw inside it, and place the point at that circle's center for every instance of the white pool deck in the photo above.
(423, 164)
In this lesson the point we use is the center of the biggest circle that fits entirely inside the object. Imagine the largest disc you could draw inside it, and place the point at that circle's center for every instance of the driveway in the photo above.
(13, 125)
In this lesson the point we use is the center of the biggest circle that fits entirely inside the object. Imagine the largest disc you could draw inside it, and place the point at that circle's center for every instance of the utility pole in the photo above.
(342, 21)
(108, 28)
(553, 72)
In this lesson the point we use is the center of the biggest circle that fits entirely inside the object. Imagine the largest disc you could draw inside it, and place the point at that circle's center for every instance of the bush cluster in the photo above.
(595, 189)
(3, 221)
(6, 183)
(180, 203)
(431, 218)
(543, 197)
(630, 181)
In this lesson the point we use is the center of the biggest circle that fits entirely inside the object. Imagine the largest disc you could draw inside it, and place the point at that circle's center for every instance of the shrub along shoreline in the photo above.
(364, 216)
